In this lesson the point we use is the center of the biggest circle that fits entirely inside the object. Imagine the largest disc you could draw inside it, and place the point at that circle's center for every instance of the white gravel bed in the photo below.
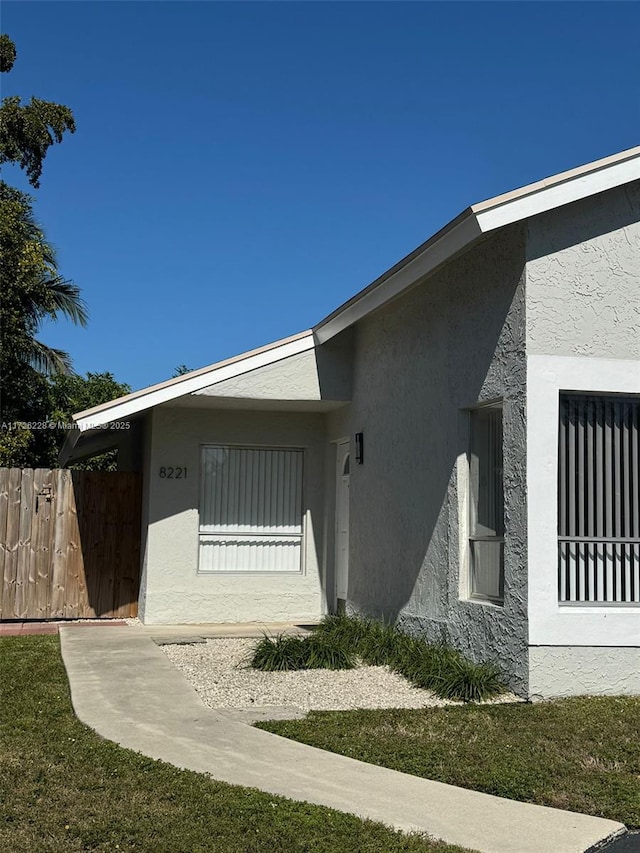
(218, 671)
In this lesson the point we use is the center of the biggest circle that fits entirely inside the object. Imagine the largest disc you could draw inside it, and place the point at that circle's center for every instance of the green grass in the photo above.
(580, 754)
(339, 640)
(65, 790)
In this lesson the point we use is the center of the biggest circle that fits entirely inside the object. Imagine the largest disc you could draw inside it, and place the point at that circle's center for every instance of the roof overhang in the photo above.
(487, 216)
(452, 240)
(93, 443)
(123, 408)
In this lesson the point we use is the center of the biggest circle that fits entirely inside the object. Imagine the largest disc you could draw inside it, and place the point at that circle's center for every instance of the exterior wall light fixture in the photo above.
(359, 448)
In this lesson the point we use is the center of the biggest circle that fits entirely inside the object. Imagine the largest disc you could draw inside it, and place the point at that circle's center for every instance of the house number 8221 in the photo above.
(173, 473)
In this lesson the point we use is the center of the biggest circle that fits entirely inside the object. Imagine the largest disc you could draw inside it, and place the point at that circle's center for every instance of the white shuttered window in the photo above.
(599, 499)
(251, 510)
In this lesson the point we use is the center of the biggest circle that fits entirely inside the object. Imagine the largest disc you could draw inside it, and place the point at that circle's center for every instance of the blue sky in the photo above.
(240, 169)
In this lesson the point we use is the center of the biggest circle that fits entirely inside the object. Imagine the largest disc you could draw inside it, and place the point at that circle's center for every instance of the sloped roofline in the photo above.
(457, 236)
(195, 380)
(479, 219)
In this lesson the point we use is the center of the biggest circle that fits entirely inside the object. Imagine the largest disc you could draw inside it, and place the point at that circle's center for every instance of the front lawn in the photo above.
(65, 790)
(579, 754)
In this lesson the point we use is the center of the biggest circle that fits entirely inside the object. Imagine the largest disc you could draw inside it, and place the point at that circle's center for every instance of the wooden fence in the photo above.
(69, 543)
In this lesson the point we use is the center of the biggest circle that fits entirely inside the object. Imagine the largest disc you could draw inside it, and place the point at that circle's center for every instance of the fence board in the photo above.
(4, 512)
(109, 584)
(21, 605)
(127, 545)
(10, 573)
(69, 543)
(98, 530)
(76, 604)
(57, 588)
(75, 586)
(42, 531)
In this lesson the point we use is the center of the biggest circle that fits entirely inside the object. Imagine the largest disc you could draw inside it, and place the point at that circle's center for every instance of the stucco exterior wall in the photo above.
(583, 334)
(323, 373)
(173, 591)
(293, 378)
(420, 362)
(551, 623)
(583, 670)
(583, 278)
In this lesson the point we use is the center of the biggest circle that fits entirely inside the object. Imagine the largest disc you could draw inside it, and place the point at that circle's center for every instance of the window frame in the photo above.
(471, 536)
(589, 559)
(301, 570)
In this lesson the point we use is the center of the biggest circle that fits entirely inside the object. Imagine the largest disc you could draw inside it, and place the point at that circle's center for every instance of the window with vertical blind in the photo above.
(599, 499)
(486, 505)
(250, 510)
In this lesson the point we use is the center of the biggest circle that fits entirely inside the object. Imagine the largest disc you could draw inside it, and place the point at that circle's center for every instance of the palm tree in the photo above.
(32, 289)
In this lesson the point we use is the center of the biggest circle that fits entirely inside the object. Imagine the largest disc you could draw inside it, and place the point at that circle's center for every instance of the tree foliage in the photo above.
(27, 131)
(7, 53)
(32, 288)
(32, 432)
(180, 370)
(70, 394)
(37, 388)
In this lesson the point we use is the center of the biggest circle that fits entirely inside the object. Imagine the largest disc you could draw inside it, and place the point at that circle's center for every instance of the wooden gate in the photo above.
(69, 543)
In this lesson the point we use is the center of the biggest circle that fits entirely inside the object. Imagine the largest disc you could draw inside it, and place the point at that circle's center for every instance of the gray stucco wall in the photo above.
(173, 590)
(583, 277)
(419, 364)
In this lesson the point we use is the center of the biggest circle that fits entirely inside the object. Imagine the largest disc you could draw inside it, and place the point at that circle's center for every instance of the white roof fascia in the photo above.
(482, 218)
(440, 248)
(125, 407)
(551, 194)
(451, 240)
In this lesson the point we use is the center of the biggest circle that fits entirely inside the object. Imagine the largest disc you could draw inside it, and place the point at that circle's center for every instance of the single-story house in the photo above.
(456, 448)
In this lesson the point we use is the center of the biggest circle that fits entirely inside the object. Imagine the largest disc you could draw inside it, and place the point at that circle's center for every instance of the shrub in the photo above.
(468, 681)
(273, 654)
(447, 672)
(284, 652)
(380, 645)
(348, 631)
(322, 652)
(339, 640)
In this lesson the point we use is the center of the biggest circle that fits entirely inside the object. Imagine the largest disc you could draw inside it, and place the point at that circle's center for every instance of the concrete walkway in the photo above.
(124, 687)
(32, 627)
(195, 633)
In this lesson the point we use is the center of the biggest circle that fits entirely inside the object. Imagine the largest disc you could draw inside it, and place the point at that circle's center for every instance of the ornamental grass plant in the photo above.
(338, 642)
